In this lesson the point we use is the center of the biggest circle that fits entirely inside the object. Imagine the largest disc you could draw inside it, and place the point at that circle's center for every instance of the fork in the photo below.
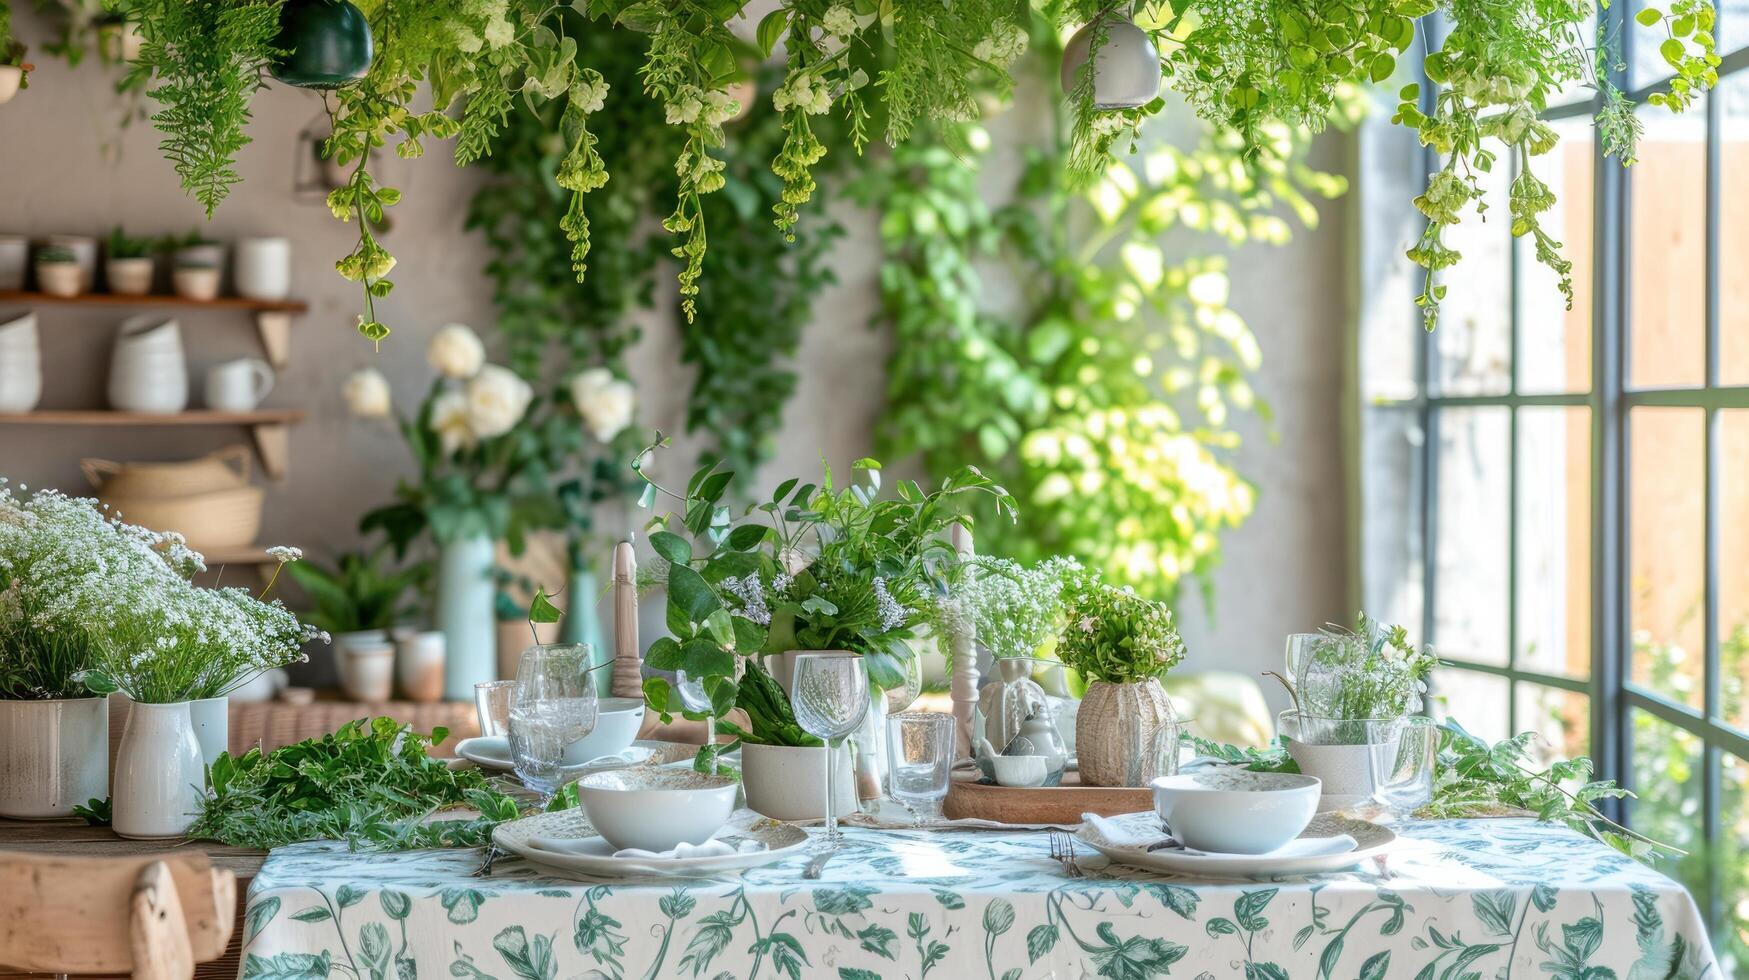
(485, 868)
(1063, 852)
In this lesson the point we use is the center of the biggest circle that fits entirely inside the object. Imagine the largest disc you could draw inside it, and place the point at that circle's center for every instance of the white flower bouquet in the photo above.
(91, 604)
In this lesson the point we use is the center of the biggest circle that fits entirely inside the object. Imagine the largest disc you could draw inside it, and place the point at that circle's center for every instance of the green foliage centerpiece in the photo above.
(813, 567)
(1122, 644)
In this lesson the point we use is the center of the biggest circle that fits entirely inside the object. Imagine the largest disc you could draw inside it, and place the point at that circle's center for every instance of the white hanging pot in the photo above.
(1126, 68)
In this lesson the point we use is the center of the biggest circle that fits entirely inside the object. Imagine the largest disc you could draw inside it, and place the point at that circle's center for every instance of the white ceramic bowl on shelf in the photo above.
(1235, 811)
(656, 809)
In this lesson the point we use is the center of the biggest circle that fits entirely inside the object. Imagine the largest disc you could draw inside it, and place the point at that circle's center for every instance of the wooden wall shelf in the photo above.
(272, 317)
(268, 428)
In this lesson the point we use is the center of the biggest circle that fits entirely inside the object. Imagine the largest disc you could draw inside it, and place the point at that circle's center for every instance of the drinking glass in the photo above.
(694, 699)
(906, 694)
(1403, 779)
(492, 704)
(830, 697)
(552, 707)
(921, 744)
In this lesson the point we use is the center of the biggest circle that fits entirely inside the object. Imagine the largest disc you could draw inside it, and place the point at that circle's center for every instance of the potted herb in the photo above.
(815, 568)
(358, 602)
(127, 264)
(782, 766)
(1121, 644)
(14, 70)
(1350, 688)
(58, 271)
(196, 279)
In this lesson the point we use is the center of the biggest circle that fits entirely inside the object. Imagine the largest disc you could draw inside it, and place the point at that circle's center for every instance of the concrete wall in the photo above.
(65, 167)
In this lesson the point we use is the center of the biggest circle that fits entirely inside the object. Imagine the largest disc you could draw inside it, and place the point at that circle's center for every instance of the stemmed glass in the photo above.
(693, 698)
(552, 707)
(830, 695)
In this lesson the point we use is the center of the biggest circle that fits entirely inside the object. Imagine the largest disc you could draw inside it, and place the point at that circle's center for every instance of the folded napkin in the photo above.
(710, 848)
(1117, 834)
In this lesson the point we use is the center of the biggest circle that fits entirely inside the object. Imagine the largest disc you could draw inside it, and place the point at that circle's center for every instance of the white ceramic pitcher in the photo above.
(147, 372)
(239, 385)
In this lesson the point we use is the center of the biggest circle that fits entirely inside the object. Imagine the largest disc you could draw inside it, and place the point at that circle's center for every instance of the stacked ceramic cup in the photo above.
(21, 373)
(147, 372)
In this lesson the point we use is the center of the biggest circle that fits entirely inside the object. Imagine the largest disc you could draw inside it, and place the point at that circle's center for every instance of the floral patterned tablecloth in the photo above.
(1461, 900)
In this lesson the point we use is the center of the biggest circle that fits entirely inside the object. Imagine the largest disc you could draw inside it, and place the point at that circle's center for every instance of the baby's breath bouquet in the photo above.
(1112, 634)
(91, 604)
(1014, 610)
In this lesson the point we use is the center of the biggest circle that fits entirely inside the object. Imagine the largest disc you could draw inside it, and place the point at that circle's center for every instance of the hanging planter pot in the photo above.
(1126, 68)
(327, 44)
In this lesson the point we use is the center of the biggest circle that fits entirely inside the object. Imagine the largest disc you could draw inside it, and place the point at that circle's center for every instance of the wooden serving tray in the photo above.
(969, 799)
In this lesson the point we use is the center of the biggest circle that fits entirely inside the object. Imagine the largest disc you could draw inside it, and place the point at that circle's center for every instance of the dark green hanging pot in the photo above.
(327, 44)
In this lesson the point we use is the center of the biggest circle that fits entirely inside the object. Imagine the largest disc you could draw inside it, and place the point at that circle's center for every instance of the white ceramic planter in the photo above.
(14, 260)
(158, 772)
(129, 277)
(54, 755)
(787, 782)
(366, 662)
(1126, 68)
(84, 249)
(263, 268)
(212, 726)
(419, 664)
(199, 283)
(262, 687)
(59, 278)
(11, 79)
(1346, 771)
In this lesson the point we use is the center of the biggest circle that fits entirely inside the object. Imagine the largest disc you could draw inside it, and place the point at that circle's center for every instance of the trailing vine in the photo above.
(1108, 391)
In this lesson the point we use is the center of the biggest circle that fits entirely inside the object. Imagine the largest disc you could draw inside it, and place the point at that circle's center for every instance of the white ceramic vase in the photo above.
(21, 379)
(158, 772)
(419, 659)
(212, 726)
(54, 755)
(366, 662)
(263, 268)
(14, 261)
(788, 782)
(147, 372)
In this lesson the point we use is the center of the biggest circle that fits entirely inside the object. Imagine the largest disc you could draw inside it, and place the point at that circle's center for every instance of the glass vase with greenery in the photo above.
(1343, 678)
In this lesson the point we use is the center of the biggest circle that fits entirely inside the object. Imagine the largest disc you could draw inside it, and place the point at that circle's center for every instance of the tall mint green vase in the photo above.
(465, 591)
(582, 625)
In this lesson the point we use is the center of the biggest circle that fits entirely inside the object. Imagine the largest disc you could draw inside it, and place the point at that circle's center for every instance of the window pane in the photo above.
(1732, 940)
(1732, 27)
(1666, 547)
(1667, 329)
(1391, 500)
(1554, 541)
(1554, 343)
(1645, 64)
(1474, 338)
(1733, 93)
(1734, 568)
(1561, 718)
(1476, 700)
(1469, 603)
(1667, 780)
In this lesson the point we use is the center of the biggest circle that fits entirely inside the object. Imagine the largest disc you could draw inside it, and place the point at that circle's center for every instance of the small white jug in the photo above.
(238, 386)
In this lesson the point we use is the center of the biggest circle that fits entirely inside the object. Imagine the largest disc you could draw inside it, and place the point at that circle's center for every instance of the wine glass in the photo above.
(694, 699)
(906, 694)
(830, 697)
(552, 707)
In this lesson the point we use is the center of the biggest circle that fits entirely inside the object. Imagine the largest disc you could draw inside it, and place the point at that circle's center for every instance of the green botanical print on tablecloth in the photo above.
(1463, 900)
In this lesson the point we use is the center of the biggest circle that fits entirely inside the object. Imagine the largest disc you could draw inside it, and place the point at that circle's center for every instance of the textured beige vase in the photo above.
(1116, 723)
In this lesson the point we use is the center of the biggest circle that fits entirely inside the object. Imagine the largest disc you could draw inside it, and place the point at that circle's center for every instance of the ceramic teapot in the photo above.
(1014, 718)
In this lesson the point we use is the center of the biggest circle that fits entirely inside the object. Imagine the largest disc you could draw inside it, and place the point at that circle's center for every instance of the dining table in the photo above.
(1450, 900)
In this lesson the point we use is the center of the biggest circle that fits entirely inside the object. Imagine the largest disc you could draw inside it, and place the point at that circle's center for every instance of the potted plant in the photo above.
(835, 569)
(1350, 688)
(127, 264)
(1121, 644)
(358, 603)
(14, 70)
(782, 766)
(195, 278)
(58, 272)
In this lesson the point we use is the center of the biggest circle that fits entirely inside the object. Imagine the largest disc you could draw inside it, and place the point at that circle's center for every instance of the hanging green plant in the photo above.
(884, 67)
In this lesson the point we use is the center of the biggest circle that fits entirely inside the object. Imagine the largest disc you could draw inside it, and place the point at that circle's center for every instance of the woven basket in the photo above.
(1102, 746)
(210, 521)
(225, 469)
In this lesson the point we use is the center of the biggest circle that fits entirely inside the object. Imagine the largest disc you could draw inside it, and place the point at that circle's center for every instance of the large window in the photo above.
(1560, 498)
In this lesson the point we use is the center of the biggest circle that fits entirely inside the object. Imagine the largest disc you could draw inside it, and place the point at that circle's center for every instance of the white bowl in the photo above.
(617, 721)
(1235, 811)
(655, 809)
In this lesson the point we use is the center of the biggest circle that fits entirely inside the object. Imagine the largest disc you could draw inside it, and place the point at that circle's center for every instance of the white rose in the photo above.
(450, 420)
(367, 394)
(604, 401)
(496, 399)
(456, 352)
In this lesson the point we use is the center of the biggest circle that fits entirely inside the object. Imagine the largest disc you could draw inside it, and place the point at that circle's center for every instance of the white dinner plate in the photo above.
(1370, 839)
(593, 857)
(493, 752)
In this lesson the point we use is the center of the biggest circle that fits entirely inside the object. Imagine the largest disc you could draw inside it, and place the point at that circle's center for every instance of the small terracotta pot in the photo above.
(129, 277)
(200, 283)
(419, 658)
